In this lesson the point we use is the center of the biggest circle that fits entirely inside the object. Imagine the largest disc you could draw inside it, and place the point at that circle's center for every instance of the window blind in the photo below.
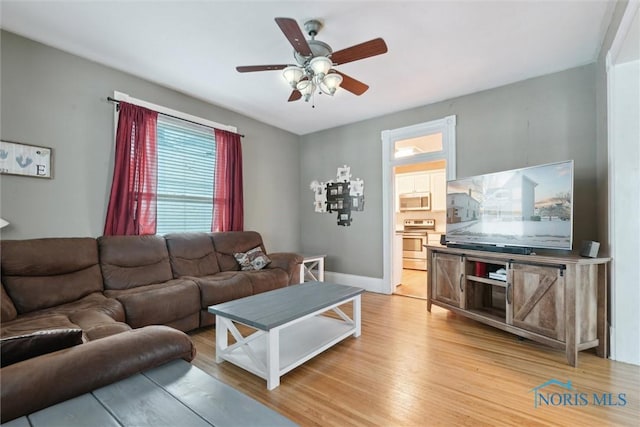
(186, 165)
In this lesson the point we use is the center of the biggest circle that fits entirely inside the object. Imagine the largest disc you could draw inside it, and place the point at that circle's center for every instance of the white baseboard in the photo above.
(372, 284)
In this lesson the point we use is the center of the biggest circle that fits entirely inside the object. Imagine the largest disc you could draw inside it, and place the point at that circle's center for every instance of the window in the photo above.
(429, 143)
(186, 166)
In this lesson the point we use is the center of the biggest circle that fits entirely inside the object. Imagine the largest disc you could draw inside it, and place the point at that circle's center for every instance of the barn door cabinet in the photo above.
(558, 301)
(448, 277)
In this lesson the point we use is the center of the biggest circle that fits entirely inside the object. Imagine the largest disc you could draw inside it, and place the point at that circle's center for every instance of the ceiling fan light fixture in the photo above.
(306, 88)
(292, 75)
(320, 66)
(315, 60)
(330, 83)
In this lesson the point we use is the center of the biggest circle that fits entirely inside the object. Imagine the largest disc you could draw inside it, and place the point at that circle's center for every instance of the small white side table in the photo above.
(309, 263)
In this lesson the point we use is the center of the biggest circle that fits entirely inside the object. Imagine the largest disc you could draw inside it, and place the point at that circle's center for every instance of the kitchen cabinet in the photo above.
(438, 185)
(412, 183)
(404, 183)
(421, 182)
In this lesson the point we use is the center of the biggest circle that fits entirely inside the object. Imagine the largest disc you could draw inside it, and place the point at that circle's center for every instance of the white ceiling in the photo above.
(437, 49)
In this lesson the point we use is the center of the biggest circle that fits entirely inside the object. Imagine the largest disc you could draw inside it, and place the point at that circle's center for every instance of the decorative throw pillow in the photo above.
(253, 259)
(23, 347)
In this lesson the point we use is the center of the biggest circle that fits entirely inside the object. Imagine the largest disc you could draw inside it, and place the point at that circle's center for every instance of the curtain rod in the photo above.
(167, 115)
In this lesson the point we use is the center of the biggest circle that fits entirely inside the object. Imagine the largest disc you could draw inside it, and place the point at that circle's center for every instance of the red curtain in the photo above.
(132, 203)
(228, 206)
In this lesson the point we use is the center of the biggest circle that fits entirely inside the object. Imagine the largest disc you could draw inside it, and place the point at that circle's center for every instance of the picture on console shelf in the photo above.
(529, 207)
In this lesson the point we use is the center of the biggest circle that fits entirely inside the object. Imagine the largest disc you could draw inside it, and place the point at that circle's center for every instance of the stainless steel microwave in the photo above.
(415, 201)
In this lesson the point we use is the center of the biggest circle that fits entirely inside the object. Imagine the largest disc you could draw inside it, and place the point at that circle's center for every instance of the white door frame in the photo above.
(624, 203)
(446, 126)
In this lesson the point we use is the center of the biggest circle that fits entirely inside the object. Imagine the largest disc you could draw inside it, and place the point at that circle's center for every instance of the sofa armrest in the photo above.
(37, 383)
(289, 262)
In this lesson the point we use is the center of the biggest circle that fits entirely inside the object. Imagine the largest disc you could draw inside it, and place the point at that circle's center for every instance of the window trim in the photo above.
(120, 96)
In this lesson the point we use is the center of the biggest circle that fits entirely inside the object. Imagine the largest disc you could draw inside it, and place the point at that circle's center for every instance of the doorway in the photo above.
(412, 156)
(418, 226)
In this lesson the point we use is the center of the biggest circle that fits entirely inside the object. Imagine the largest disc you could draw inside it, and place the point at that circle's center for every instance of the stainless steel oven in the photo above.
(414, 238)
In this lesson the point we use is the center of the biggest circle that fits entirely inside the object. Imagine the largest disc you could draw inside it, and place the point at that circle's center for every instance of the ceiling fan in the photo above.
(315, 60)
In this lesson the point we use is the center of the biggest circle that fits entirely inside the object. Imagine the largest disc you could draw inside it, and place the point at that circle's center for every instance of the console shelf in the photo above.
(492, 282)
(558, 301)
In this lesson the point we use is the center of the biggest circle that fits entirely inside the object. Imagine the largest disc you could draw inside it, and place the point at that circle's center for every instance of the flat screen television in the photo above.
(530, 207)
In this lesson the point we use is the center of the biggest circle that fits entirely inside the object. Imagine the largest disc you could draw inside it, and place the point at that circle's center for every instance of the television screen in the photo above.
(528, 207)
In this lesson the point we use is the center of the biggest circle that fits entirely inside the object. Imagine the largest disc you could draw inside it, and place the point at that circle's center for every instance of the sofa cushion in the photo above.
(191, 254)
(97, 316)
(22, 347)
(253, 259)
(158, 304)
(104, 330)
(267, 280)
(131, 261)
(230, 242)
(27, 324)
(42, 273)
(223, 287)
(8, 311)
(91, 319)
(95, 302)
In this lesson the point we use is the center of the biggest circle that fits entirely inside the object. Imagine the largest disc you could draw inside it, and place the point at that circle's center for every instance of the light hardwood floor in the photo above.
(413, 368)
(414, 284)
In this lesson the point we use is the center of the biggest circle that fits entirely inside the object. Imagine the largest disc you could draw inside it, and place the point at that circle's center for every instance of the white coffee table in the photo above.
(290, 327)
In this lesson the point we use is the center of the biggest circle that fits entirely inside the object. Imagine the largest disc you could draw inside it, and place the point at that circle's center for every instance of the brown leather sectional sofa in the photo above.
(126, 300)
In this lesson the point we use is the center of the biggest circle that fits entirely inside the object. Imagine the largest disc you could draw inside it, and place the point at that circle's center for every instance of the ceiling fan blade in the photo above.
(352, 85)
(360, 51)
(251, 68)
(292, 32)
(295, 95)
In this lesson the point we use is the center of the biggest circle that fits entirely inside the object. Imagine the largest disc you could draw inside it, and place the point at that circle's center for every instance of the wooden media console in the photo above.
(558, 301)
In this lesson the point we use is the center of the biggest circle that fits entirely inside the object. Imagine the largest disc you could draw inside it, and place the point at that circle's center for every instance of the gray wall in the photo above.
(541, 120)
(55, 99)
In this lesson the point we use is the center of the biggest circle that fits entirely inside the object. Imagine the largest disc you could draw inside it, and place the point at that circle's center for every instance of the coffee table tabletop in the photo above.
(275, 308)
(290, 327)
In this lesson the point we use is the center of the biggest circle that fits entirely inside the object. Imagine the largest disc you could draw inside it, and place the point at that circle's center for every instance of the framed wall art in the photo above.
(25, 160)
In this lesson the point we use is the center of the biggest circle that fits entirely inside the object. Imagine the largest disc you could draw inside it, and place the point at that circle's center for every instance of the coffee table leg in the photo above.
(221, 338)
(273, 358)
(356, 316)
